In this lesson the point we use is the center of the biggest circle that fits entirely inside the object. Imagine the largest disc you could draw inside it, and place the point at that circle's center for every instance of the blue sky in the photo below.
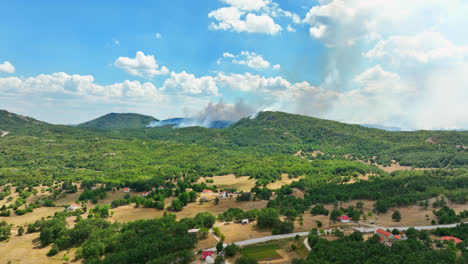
(67, 62)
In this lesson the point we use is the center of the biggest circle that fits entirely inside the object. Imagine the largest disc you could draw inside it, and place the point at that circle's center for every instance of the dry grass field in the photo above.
(130, 213)
(242, 183)
(26, 250)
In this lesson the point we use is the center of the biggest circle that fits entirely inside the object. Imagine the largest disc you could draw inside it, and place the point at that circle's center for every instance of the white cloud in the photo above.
(252, 16)
(291, 29)
(142, 65)
(77, 85)
(247, 58)
(342, 23)
(158, 35)
(248, 5)
(7, 67)
(276, 67)
(228, 55)
(186, 83)
(116, 42)
(251, 83)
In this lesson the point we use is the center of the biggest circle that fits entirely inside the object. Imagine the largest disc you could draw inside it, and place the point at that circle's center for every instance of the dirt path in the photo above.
(4, 133)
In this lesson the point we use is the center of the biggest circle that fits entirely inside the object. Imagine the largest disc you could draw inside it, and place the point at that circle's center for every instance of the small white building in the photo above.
(72, 207)
(245, 221)
(223, 194)
(195, 230)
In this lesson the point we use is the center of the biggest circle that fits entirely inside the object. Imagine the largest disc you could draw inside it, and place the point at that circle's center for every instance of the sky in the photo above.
(393, 63)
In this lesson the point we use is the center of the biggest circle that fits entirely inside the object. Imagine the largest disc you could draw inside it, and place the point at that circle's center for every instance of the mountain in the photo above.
(119, 121)
(382, 127)
(190, 122)
(11, 122)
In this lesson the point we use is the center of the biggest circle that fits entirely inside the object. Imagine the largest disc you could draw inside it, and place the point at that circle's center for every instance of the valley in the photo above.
(274, 171)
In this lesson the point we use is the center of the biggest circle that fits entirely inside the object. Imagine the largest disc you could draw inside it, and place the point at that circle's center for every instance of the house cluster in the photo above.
(387, 238)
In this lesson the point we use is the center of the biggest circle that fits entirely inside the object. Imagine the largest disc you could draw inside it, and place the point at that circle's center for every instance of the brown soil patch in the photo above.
(4, 133)
(238, 232)
(242, 183)
(29, 218)
(284, 180)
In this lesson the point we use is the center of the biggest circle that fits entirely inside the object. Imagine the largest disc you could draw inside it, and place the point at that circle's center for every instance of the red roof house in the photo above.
(384, 233)
(207, 191)
(144, 194)
(206, 253)
(397, 237)
(344, 219)
(454, 239)
(126, 189)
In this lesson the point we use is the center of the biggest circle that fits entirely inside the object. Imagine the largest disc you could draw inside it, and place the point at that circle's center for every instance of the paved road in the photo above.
(373, 229)
(265, 239)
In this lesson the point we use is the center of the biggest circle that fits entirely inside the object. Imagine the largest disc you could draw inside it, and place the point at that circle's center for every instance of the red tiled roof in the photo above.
(397, 237)
(206, 253)
(126, 188)
(74, 204)
(383, 232)
(207, 191)
(454, 239)
(344, 217)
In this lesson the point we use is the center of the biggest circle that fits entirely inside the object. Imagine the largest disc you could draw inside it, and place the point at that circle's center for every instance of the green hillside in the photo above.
(119, 121)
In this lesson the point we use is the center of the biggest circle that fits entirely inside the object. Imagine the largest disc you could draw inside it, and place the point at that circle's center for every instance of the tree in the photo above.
(267, 218)
(204, 219)
(319, 223)
(20, 231)
(219, 247)
(5, 230)
(193, 196)
(216, 201)
(396, 216)
(359, 204)
(231, 250)
(219, 260)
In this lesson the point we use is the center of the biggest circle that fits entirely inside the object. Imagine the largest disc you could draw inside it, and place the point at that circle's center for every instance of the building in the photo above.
(126, 190)
(161, 187)
(451, 238)
(144, 194)
(245, 221)
(224, 194)
(153, 189)
(195, 230)
(384, 234)
(344, 219)
(207, 191)
(72, 207)
(206, 255)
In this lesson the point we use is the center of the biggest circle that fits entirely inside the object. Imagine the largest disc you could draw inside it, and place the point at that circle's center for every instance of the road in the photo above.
(373, 229)
(4, 133)
(265, 239)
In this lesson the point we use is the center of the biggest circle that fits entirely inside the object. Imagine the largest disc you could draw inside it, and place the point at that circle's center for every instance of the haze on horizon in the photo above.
(393, 63)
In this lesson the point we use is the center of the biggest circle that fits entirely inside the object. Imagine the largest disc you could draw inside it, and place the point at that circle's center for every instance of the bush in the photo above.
(231, 250)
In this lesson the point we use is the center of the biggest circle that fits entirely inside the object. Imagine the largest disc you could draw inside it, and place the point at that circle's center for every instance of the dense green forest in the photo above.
(262, 148)
(119, 121)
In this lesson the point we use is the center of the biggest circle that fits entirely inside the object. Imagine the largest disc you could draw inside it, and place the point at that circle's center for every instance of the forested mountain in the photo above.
(119, 121)
(13, 122)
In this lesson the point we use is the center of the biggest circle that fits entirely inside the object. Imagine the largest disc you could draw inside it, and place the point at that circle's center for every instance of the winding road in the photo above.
(431, 227)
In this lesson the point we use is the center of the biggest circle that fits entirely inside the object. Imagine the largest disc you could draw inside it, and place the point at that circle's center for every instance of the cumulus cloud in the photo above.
(187, 83)
(249, 59)
(252, 16)
(142, 65)
(7, 67)
(76, 85)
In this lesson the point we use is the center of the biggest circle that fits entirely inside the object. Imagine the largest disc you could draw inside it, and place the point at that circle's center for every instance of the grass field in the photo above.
(262, 252)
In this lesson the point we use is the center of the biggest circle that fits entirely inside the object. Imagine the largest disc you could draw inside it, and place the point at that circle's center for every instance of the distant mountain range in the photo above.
(189, 122)
(119, 121)
(381, 127)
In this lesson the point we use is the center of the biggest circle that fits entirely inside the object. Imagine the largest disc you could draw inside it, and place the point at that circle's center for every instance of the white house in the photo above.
(144, 194)
(72, 207)
(245, 221)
